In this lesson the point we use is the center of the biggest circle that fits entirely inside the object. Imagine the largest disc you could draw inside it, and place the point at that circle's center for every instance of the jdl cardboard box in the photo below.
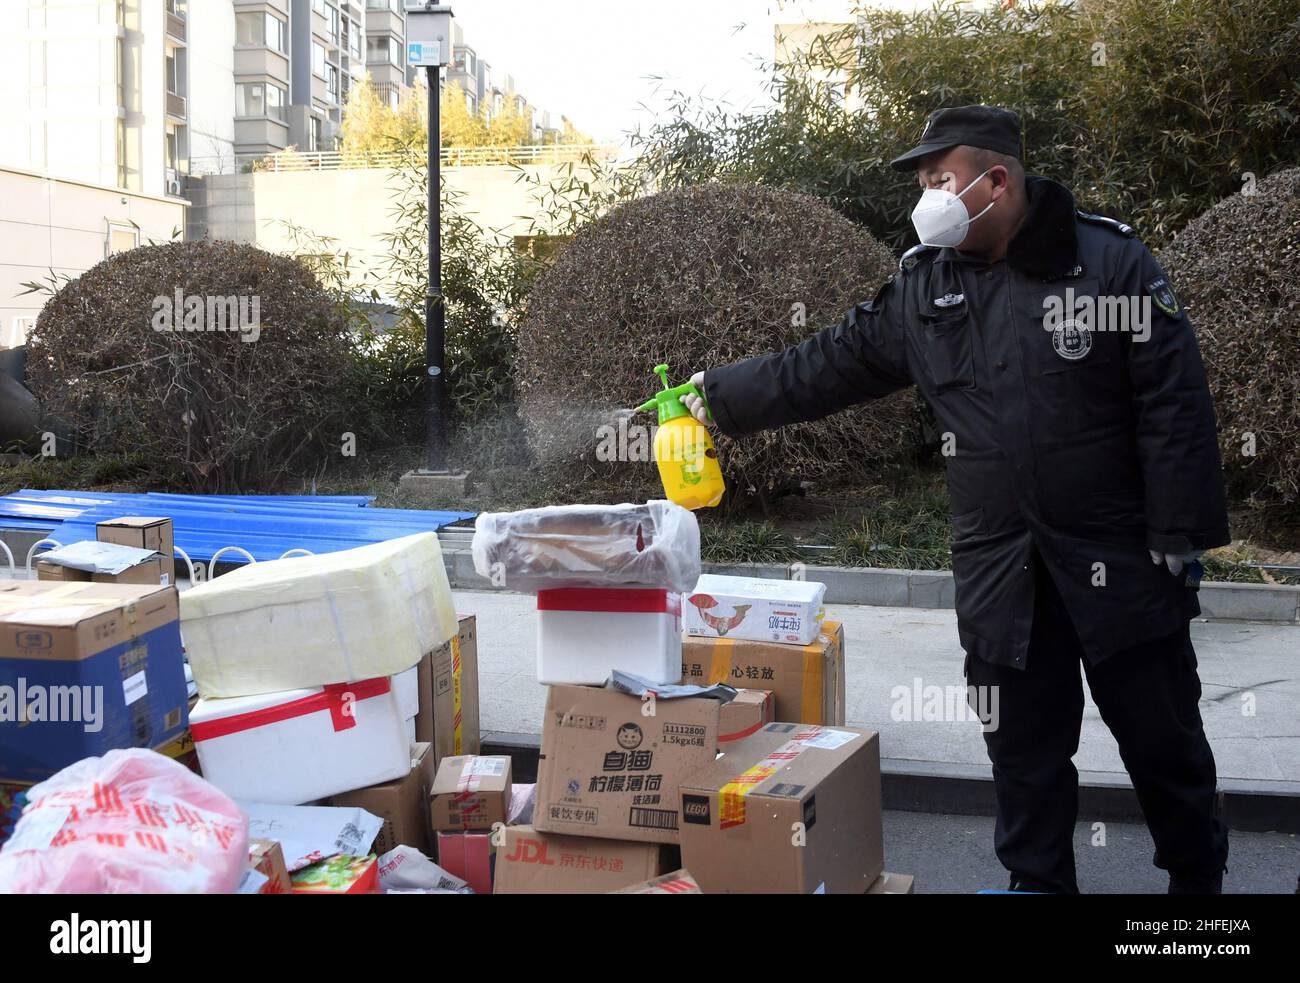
(677, 882)
(142, 532)
(403, 805)
(85, 668)
(791, 809)
(471, 793)
(610, 764)
(807, 681)
(750, 710)
(759, 609)
(533, 862)
(448, 680)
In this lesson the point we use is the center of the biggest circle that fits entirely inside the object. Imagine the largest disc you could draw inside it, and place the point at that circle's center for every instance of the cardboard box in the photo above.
(790, 809)
(146, 533)
(750, 710)
(469, 856)
(533, 862)
(893, 884)
(403, 805)
(677, 882)
(470, 793)
(807, 682)
(56, 571)
(759, 609)
(608, 769)
(339, 874)
(85, 668)
(266, 857)
(148, 572)
(448, 717)
(302, 745)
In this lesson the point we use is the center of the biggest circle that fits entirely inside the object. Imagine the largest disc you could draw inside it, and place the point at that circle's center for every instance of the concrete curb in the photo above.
(934, 589)
(967, 790)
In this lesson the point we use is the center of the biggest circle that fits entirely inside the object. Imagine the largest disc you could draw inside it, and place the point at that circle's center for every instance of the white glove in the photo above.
(1175, 561)
(698, 407)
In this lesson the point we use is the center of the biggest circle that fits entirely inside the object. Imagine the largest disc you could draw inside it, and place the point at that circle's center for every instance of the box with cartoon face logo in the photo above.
(611, 764)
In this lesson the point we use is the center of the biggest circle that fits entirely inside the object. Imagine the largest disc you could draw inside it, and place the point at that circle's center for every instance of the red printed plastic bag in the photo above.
(131, 822)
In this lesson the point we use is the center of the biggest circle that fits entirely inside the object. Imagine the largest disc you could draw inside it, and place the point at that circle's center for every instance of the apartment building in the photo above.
(386, 50)
(101, 91)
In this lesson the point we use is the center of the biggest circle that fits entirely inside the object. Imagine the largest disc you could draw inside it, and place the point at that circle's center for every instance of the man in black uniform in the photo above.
(1084, 475)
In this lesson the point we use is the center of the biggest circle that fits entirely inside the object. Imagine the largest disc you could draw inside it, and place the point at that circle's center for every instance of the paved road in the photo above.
(954, 855)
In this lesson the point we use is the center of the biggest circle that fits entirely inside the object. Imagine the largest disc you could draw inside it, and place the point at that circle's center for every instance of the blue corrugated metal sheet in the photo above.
(265, 525)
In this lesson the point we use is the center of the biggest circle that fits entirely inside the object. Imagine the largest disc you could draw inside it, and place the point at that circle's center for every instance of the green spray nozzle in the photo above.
(668, 400)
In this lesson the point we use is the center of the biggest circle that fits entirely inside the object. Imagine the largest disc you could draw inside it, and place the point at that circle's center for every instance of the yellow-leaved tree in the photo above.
(371, 125)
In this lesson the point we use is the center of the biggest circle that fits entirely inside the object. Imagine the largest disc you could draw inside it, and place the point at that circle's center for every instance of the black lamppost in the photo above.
(429, 46)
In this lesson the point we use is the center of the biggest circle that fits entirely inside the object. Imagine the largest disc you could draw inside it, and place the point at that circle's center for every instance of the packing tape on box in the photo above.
(731, 797)
(457, 711)
(721, 664)
(337, 699)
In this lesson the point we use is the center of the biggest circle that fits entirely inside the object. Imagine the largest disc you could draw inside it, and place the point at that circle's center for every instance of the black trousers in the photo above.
(1148, 697)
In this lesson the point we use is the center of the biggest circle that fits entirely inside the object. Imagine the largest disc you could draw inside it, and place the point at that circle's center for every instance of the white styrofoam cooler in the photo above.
(309, 621)
(300, 745)
(584, 633)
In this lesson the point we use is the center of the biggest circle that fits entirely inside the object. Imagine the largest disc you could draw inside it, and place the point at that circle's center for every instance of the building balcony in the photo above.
(176, 27)
(176, 106)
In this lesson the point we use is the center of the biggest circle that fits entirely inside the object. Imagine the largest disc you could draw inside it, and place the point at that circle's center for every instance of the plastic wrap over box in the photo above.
(311, 621)
(656, 544)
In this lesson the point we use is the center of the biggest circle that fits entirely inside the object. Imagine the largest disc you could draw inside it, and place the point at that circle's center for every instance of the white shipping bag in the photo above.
(310, 621)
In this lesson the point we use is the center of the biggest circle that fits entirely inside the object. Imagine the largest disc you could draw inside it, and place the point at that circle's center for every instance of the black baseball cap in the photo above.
(989, 127)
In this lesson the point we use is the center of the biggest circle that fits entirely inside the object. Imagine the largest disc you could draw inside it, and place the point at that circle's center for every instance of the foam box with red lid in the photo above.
(584, 633)
(301, 745)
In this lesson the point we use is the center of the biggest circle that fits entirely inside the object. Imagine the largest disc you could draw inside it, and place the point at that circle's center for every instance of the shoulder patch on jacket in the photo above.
(1123, 228)
(913, 256)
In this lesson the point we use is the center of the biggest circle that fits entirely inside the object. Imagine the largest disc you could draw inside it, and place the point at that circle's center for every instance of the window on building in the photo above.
(469, 103)
(354, 41)
(334, 25)
(121, 238)
(318, 59)
(276, 33)
(383, 49)
(318, 6)
(332, 83)
(394, 99)
(314, 135)
(172, 79)
(121, 153)
(260, 99)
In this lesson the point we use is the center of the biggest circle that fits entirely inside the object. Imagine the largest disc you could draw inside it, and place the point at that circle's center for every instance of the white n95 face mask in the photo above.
(940, 217)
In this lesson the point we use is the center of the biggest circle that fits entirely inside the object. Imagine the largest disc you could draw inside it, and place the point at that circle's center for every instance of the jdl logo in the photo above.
(530, 852)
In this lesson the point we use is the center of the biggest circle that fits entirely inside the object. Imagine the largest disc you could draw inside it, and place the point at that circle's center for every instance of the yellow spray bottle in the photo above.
(688, 461)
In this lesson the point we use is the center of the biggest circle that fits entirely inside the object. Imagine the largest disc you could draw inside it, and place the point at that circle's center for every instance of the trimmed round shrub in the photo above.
(223, 366)
(1236, 269)
(698, 277)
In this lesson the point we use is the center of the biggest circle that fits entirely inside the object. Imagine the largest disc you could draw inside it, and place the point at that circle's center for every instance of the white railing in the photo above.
(343, 160)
